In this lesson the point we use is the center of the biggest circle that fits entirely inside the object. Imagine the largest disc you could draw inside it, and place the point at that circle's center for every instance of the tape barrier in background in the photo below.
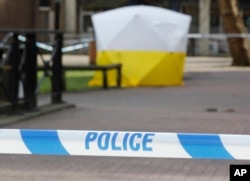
(125, 144)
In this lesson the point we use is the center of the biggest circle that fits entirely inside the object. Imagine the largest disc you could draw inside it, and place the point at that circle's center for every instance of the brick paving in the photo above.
(214, 99)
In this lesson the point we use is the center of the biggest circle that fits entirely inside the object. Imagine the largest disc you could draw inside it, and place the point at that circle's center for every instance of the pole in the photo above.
(57, 69)
(30, 66)
(57, 14)
(204, 25)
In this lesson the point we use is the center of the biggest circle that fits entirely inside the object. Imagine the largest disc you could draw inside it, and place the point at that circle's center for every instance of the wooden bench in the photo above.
(103, 68)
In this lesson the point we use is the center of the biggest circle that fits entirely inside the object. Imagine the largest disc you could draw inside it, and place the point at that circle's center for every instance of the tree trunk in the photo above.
(233, 23)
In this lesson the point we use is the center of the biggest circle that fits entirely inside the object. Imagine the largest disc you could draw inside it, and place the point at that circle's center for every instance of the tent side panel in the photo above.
(143, 68)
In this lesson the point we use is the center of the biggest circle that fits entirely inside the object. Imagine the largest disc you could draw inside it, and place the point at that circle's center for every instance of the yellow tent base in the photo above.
(142, 68)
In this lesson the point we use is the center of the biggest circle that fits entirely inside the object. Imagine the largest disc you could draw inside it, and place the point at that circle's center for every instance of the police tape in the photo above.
(218, 35)
(71, 48)
(85, 41)
(125, 144)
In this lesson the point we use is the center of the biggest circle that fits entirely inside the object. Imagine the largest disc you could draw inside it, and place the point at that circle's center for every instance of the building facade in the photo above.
(74, 16)
(14, 15)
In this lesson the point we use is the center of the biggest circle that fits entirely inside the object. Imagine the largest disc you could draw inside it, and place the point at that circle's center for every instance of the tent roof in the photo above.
(158, 12)
(141, 27)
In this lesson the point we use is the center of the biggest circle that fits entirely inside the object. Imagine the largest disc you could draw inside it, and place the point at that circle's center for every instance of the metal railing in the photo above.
(20, 63)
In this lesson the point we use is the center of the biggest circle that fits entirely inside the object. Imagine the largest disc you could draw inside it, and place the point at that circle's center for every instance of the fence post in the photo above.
(30, 71)
(57, 72)
(14, 74)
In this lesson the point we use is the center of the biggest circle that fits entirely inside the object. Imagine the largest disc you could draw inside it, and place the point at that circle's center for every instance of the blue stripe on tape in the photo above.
(204, 146)
(43, 142)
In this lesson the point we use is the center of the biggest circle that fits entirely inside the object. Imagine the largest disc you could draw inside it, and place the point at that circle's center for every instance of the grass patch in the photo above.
(75, 81)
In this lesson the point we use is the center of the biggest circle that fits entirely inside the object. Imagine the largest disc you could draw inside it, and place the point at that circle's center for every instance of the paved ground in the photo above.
(214, 99)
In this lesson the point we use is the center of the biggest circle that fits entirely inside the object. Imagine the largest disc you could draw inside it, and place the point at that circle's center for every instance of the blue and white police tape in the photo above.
(125, 144)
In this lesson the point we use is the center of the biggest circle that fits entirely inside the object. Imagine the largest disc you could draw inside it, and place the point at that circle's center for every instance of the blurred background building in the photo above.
(74, 16)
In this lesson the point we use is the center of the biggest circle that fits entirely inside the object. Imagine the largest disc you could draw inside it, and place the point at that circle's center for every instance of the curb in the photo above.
(42, 110)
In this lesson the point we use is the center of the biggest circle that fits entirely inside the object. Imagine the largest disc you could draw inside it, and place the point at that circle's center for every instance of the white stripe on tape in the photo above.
(11, 142)
(125, 144)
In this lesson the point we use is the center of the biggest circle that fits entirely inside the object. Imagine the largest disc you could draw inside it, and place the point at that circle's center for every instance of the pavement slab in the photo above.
(214, 99)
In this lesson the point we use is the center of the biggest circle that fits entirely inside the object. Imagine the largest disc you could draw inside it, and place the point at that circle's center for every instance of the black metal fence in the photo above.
(18, 66)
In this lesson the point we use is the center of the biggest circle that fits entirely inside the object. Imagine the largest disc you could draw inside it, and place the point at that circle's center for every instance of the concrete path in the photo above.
(214, 99)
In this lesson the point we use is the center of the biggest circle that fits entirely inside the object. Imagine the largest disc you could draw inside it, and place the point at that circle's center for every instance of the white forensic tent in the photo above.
(149, 41)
